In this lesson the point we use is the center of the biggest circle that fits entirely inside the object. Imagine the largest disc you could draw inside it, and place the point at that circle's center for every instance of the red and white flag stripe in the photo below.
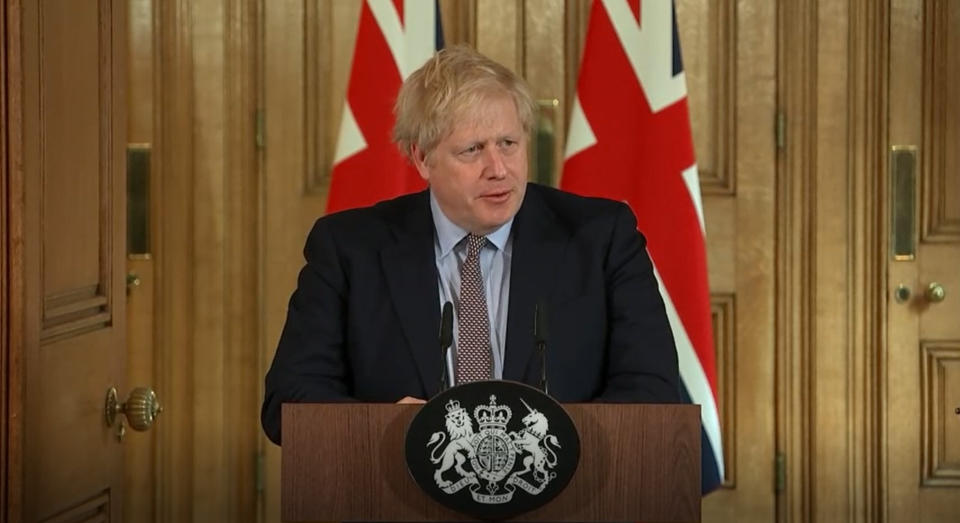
(630, 140)
(394, 38)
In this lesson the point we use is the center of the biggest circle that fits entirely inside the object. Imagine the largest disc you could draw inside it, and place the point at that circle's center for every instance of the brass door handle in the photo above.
(132, 281)
(935, 292)
(141, 409)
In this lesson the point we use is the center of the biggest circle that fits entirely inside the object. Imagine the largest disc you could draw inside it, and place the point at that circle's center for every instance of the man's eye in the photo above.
(472, 149)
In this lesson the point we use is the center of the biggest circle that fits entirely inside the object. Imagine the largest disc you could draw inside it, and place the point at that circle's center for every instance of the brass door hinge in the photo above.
(780, 473)
(258, 466)
(260, 133)
(780, 129)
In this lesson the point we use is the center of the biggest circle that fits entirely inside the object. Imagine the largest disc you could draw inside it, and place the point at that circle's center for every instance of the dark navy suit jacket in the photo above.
(363, 322)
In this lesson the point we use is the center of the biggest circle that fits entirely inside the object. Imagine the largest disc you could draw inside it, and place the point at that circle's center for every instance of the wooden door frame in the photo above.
(863, 35)
(868, 164)
(11, 263)
(185, 203)
(175, 113)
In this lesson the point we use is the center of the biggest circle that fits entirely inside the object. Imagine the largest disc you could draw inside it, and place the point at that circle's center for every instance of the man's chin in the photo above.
(493, 223)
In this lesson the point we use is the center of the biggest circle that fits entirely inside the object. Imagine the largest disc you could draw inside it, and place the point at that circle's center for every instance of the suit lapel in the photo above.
(411, 274)
(538, 246)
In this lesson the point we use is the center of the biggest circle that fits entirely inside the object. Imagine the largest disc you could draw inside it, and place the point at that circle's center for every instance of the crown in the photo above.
(493, 416)
(453, 406)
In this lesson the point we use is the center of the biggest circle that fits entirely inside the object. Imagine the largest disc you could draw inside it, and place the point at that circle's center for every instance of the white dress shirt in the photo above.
(451, 251)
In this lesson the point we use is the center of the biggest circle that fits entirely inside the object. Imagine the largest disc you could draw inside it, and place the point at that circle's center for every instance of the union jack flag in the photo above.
(630, 140)
(394, 38)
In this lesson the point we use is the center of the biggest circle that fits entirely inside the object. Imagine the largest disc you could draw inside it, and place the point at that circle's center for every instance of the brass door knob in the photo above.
(141, 408)
(935, 292)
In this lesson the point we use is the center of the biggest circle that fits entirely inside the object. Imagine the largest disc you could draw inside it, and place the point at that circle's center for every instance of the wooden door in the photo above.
(73, 256)
(923, 362)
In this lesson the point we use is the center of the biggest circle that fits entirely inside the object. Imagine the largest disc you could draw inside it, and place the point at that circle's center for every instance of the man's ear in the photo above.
(419, 159)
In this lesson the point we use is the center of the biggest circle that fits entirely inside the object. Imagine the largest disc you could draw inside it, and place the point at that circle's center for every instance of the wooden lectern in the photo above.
(638, 462)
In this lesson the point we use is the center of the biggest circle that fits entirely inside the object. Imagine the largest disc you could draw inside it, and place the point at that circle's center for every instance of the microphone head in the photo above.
(540, 333)
(446, 326)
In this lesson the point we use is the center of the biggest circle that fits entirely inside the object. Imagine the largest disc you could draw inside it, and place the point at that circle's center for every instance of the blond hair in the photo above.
(455, 79)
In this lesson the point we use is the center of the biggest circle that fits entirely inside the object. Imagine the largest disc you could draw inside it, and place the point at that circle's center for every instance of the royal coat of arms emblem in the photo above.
(492, 449)
(491, 461)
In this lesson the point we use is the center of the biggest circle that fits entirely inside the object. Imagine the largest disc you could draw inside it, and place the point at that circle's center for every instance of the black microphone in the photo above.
(540, 338)
(446, 339)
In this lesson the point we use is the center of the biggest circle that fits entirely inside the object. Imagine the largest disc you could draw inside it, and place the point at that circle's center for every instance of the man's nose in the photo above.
(496, 167)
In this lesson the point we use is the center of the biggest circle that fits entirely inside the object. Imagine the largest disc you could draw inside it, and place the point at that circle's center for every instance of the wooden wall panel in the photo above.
(320, 135)
(75, 220)
(938, 263)
(72, 213)
(173, 148)
(719, 217)
(830, 224)
(754, 257)
(940, 206)
(831, 307)
(940, 389)
(329, 29)
(797, 87)
(574, 34)
(722, 316)
(459, 21)
(209, 467)
(95, 509)
(708, 33)
(543, 68)
(242, 254)
(207, 257)
(500, 27)
(286, 209)
(867, 260)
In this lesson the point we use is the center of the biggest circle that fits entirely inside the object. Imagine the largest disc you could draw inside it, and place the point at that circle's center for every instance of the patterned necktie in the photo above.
(474, 358)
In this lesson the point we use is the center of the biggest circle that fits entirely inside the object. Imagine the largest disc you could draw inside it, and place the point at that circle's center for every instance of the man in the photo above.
(363, 322)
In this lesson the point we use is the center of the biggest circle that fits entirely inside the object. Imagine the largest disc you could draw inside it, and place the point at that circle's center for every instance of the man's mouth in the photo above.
(496, 196)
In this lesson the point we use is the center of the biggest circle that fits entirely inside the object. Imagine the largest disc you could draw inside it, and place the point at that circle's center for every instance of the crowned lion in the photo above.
(460, 431)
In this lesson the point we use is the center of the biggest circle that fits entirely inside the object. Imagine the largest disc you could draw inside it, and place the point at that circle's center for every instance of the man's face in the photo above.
(478, 173)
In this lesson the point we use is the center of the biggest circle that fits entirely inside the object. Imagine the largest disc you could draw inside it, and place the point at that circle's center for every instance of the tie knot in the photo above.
(475, 243)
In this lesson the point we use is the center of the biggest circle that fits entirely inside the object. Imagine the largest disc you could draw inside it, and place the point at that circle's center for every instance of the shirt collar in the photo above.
(449, 234)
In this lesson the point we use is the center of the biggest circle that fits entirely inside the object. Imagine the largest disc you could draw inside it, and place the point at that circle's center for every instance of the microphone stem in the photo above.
(542, 348)
(443, 370)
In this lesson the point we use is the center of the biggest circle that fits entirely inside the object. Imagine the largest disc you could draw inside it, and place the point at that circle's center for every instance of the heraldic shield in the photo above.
(492, 449)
